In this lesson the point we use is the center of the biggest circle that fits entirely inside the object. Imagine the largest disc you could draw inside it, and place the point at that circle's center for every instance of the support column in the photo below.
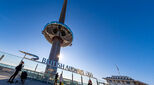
(1, 57)
(72, 79)
(54, 53)
(36, 67)
(97, 81)
(81, 80)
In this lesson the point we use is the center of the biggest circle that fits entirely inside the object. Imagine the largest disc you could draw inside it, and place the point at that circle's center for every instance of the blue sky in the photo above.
(106, 32)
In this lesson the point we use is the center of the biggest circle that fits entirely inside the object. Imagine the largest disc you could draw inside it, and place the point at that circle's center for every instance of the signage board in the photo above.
(66, 67)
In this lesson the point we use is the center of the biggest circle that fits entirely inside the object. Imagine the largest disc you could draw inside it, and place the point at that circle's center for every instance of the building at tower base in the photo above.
(122, 80)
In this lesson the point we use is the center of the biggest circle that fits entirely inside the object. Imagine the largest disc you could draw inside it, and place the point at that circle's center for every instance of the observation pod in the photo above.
(59, 30)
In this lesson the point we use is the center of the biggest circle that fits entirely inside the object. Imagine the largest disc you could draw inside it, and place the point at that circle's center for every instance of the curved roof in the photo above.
(35, 56)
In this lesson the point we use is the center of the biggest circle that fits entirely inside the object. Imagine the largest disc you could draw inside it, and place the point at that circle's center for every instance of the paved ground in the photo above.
(4, 76)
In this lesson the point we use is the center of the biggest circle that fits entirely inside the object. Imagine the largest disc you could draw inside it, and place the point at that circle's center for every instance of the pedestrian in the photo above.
(61, 79)
(23, 77)
(56, 79)
(89, 82)
(18, 69)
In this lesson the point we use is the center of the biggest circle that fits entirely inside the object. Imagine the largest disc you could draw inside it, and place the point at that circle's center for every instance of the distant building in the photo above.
(122, 80)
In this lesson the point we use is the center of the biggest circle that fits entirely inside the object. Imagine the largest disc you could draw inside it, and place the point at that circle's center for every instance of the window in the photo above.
(110, 80)
(128, 82)
(118, 81)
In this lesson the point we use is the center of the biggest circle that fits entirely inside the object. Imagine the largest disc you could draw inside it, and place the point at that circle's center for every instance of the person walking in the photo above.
(56, 79)
(18, 69)
(61, 79)
(89, 82)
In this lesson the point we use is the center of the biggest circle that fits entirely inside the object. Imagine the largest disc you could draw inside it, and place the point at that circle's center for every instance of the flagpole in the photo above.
(118, 70)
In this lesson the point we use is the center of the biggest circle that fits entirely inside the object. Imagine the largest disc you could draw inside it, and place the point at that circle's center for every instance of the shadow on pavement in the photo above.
(27, 82)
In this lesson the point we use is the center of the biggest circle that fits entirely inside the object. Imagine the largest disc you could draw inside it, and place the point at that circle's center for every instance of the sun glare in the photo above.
(60, 57)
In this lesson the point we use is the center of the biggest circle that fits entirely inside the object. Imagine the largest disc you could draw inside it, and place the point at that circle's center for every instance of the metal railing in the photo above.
(9, 61)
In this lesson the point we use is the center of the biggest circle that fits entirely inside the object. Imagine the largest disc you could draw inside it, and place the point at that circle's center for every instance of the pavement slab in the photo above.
(5, 76)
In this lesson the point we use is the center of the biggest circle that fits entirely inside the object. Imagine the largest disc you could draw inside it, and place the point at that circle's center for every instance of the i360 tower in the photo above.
(59, 35)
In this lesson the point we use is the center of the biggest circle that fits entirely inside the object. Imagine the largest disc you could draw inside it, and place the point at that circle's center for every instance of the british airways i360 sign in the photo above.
(66, 67)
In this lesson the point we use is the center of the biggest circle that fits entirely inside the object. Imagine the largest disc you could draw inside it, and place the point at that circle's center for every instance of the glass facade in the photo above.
(36, 71)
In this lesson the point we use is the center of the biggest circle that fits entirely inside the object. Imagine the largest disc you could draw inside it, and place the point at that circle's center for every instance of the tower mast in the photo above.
(59, 35)
(63, 12)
